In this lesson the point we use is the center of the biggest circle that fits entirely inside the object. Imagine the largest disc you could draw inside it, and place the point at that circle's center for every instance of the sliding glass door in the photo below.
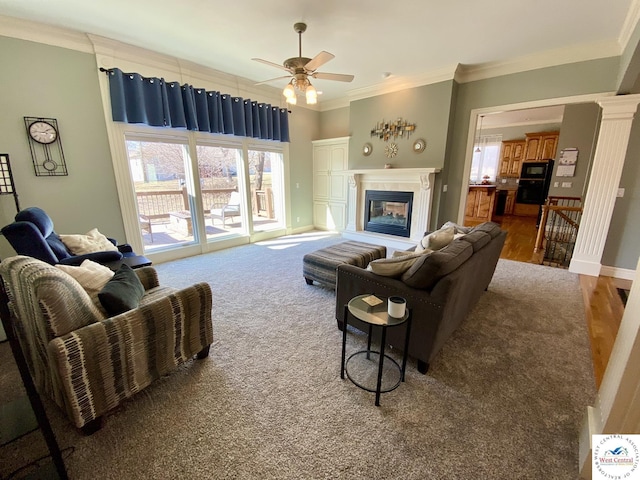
(220, 171)
(192, 190)
(159, 173)
(266, 176)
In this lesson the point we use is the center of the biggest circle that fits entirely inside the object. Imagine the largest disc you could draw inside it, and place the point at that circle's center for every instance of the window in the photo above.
(486, 159)
(192, 189)
(159, 175)
(267, 190)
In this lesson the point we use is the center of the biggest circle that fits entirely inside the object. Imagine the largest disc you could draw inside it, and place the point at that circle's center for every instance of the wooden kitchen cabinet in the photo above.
(511, 156)
(480, 203)
(510, 202)
(540, 146)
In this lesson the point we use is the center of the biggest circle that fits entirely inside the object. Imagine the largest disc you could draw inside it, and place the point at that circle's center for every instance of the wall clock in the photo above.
(46, 148)
(391, 150)
(43, 132)
(419, 145)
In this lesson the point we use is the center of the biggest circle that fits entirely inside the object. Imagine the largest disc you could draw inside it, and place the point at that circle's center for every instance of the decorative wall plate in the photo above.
(391, 150)
(367, 149)
(419, 145)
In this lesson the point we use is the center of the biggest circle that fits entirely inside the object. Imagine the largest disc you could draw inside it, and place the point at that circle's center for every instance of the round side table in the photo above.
(374, 316)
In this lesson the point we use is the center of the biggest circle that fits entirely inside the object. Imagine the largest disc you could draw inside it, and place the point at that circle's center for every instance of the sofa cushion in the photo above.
(426, 271)
(437, 240)
(92, 242)
(458, 228)
(491, 228)
(123, 292)
(91, 275)
(477, 239)
(394, 266)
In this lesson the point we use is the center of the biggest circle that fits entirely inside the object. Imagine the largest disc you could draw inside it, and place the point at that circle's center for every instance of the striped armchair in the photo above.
(89, 363)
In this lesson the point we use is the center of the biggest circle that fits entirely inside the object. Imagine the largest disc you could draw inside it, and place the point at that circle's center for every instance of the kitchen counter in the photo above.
(480, 202)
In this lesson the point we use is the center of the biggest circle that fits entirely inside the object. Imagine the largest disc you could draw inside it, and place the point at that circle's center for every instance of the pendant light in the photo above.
(477, 150)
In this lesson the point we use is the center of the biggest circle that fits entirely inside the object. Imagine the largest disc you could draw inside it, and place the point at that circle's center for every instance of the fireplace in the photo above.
(388, 212)
(417, 181)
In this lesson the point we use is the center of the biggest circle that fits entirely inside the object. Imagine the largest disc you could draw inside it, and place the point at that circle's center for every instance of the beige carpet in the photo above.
(504, 399)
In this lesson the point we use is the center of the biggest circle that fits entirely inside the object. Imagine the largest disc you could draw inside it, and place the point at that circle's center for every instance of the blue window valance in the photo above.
(158, 103)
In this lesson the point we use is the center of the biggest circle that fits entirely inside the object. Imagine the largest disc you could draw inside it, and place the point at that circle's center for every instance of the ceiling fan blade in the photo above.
(333, 76)
(319, 60)
(267, 62)
(272, 80)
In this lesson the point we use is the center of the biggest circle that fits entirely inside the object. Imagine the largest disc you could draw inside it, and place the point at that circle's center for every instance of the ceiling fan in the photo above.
(301, 68)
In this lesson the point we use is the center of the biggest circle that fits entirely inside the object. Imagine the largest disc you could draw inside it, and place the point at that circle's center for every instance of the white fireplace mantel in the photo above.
(420, 181)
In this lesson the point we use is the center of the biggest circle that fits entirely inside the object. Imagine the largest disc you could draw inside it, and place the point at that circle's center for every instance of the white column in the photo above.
(613, 139)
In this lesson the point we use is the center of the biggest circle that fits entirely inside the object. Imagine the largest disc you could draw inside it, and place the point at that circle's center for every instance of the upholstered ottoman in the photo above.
(321, 265)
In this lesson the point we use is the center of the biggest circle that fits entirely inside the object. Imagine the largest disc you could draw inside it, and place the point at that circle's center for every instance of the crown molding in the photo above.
(630, 23)
(47, 34)
(471, 73)
(391, 85)
(550, 58)
(396, 84)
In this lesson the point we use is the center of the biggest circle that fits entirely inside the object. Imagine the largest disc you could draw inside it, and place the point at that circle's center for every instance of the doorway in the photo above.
(512, 123)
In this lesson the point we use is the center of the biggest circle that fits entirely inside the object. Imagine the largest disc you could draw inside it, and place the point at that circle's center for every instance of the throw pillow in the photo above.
(459, 228)
(91, 275)
(123, 292)
(437, 240)
(92, 242)
(394, 266)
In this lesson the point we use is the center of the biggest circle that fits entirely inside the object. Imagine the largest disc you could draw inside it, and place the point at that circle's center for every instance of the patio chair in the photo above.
(230, 210)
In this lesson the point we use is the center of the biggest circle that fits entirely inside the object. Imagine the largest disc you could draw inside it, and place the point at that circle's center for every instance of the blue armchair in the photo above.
(32, 235)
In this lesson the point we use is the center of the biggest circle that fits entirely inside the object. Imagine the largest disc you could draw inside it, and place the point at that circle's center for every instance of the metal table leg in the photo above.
(344, 340)
(380, 365)
(405, 354)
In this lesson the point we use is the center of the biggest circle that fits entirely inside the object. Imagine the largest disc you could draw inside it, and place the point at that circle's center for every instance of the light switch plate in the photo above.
(620, 192)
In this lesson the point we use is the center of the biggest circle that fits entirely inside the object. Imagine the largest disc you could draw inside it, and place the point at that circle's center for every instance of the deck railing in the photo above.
(155, 206)
(558, 229)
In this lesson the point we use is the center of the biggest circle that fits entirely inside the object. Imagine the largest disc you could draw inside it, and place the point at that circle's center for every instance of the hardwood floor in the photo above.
(603, 305)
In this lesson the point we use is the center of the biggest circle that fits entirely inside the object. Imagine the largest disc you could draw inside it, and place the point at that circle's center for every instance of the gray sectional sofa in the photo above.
(441, 288)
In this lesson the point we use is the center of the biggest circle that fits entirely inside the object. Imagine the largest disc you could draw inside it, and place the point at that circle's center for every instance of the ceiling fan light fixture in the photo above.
(311, 94)
(289, 91)
(292, 100)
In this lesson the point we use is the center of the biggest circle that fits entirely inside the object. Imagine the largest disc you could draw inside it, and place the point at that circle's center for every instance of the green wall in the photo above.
(429, 107)
(622, 248)
(554, 82)
(44, 81)
(334, 123)
(580, 126)
(304, 126)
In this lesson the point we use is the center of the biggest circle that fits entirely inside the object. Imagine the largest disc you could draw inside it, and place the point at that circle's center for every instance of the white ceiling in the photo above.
(411, 39)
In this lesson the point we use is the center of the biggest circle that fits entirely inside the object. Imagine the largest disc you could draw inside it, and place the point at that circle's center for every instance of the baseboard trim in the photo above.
(584, 267)
(617, 272)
